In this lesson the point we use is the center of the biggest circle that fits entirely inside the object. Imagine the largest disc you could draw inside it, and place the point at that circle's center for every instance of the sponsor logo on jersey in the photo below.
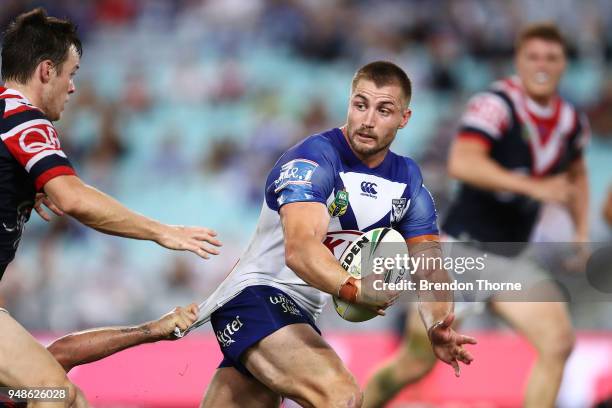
(225, 336)
(338, 207)
(297, 171)
(369, 189)
(38, 138)
(287, 305)
(354, 251)
(398, 209)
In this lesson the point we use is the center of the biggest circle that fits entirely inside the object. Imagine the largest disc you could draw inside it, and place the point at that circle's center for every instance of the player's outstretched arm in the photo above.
(92, 345)
(304, 227)
(436, 307)
(103, 213)
(470, 163)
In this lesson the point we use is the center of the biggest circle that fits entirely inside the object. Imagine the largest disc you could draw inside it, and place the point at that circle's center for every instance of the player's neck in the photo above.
(26, 90)
(542, 101)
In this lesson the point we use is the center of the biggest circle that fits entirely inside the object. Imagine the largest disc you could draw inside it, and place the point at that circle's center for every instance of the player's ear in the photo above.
(45, 69)
(405, 117)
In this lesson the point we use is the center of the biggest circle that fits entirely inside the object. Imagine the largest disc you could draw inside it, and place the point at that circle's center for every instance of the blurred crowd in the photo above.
(182, 107)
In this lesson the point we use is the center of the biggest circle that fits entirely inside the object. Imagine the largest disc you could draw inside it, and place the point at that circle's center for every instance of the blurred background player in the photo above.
(40, 56)
(263, 313)
(519, 145)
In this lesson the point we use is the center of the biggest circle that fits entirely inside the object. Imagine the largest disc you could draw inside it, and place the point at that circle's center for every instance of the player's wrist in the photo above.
(151, 331)
(349, 289)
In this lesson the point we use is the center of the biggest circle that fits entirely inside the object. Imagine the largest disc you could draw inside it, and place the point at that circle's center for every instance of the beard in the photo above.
(363, 150)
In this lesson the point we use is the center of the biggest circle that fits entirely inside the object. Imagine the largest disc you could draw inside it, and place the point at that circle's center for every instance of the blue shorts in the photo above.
(252, 315)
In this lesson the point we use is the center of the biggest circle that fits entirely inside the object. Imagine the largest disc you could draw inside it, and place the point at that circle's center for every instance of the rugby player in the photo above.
(518, 137)
(40, 56)
(339, 181)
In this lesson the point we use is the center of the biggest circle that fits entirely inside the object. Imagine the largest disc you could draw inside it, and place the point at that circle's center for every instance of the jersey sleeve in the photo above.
(303, 174)
(33, 141)
(485, 119)
(421, 219)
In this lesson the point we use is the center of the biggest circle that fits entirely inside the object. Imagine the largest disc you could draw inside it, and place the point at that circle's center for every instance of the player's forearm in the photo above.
(105, 214)
(434, 304)
(482, 172)
(85, 347)
(579, 202)
(315, 264)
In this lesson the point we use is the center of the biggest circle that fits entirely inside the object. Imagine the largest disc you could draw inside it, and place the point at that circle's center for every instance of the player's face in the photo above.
(374, 117)
(540, 65)
(60, 86)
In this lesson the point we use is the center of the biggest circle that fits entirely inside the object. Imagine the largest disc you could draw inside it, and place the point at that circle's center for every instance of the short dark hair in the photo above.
(544, 30)
(384, 73)
(32, 38)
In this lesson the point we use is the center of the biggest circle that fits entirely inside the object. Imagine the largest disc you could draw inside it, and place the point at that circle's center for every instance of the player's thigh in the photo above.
(297, 362)
(230, 388)
(546, 325)
(25, 362)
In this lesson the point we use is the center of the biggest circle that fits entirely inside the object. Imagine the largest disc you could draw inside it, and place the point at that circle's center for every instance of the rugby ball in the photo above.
(361, 253)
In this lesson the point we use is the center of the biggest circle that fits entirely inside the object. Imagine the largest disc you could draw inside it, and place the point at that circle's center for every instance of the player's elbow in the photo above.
(61, 351)
(294, 254)
(67, 193)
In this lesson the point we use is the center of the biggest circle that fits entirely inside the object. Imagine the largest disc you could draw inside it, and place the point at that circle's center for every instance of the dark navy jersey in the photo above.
(522, 137)
(30, 156)
(324, 169)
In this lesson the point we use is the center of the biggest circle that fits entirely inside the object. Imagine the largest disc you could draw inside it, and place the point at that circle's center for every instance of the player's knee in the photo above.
(344, 393)
(62, 382)
(558, 345)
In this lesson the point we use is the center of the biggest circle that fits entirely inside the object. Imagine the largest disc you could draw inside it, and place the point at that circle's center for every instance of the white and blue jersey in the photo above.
(323, 168)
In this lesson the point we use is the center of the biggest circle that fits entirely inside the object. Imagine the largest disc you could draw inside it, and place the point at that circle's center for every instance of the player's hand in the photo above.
(181, 317)
(195, 239)
(448, 344)
(376, 300)
(41, 198)
(553, 189)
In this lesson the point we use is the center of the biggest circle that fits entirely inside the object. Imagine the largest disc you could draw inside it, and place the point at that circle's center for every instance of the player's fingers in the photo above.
(189, 315)
(182, 323)
(456, 367)
(465, 356)
(210, 250)
(42, 213)
(193, 308)
(197, 250)
(461, 339)
(50, 205)
(205, 234)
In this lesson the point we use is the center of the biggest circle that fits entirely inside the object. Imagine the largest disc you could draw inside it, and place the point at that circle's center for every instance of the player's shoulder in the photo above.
(406, 170)
(17, 112)
(320, 144)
